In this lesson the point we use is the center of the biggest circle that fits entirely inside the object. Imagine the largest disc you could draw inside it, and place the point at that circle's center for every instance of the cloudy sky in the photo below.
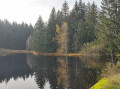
(29, 10)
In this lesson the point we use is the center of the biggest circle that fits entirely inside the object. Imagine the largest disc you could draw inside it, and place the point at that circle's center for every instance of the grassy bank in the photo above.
(112, 82)
(110, 77)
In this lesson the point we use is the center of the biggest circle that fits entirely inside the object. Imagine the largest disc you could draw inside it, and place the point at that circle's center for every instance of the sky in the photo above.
(28, 11)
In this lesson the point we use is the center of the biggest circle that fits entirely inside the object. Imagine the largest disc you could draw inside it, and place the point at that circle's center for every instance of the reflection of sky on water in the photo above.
(41, 72)
(29, 83)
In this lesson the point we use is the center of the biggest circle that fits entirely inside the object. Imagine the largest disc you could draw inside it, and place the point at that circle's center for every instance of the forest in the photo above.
(84, 29)
(14, 35)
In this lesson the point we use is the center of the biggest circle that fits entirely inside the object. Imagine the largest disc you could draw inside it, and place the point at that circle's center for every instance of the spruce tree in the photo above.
(65, 11)
(39, 36)
(81, 29)
(51, 29)
(109, 26)
(91, 21)
(73, 24)
(59, 18)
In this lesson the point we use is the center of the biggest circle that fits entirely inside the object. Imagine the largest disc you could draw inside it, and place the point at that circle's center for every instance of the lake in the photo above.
(25, 71)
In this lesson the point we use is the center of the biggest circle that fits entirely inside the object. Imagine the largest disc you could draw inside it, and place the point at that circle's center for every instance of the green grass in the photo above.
(112, 82)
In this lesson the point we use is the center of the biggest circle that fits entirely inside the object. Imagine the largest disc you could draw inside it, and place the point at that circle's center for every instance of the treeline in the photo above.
(80, 25)
(85, 28)
(13, 35)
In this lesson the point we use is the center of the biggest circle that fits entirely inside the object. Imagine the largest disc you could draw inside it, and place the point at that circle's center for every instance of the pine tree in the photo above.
(91, 21)
(51, 29)
(39, 36)
(109, 25)
(81, 27)
(82, 10)
(59, 18)
(73, 24)
(86, 26)
(65, 11)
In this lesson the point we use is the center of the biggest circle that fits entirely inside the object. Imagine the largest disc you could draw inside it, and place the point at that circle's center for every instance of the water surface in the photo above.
(24, 71)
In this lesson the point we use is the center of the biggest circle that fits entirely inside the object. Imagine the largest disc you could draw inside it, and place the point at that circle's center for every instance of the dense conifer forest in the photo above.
(14, 35)
(86, 29)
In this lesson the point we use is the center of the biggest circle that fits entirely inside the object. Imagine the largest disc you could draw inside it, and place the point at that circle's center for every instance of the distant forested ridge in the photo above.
(13, 35)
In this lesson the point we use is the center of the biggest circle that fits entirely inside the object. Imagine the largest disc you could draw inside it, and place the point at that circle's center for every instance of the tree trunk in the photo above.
(112, 58)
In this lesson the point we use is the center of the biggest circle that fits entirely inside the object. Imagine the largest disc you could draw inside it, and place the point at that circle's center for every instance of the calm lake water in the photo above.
(23, 71)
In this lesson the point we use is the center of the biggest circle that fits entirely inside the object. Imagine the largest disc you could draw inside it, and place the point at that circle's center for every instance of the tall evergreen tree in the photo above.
(59, 18)
(73, 24)
(51, 29)
(81, 29)
(86, 26)
(82, 10)
(65, 10)
(39, 36)
(109, 25)
(91, 21)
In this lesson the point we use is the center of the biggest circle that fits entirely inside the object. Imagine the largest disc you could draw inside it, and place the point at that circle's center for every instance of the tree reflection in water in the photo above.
(14, 66)
(59, 72)
(62, 74)
(44, 68)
